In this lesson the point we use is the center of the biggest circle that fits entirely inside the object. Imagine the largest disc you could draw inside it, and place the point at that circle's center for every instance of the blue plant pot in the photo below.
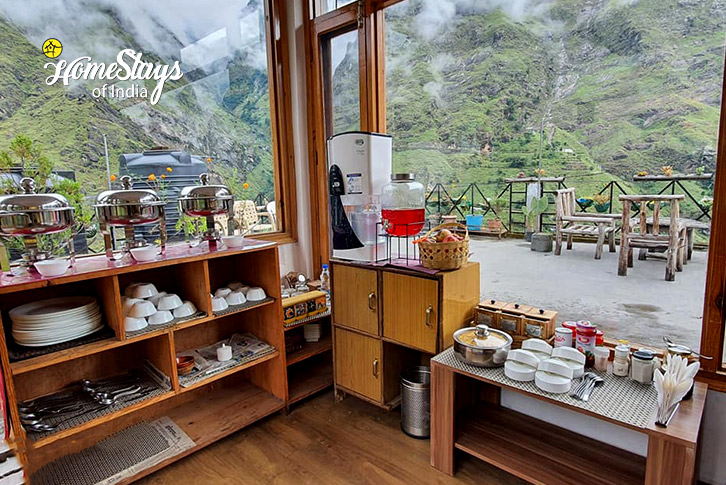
(474, 221)
(602, 208)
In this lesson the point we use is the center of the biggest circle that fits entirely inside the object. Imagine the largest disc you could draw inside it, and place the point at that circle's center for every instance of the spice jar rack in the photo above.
(520, 321)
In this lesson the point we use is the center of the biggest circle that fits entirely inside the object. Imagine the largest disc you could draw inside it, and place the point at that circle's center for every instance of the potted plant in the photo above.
(537, 206)
(498, 205)
(601, 202)
(667, 170)
(584, 202)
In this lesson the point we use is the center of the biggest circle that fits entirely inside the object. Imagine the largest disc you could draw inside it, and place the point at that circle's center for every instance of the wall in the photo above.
(298, 257)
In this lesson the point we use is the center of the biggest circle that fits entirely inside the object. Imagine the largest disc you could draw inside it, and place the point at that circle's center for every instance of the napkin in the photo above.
(673, 384)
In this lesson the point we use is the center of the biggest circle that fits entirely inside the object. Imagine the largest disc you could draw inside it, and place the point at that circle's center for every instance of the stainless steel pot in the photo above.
(205, 200)
(29, 214)
(482, 346)
(129, 207)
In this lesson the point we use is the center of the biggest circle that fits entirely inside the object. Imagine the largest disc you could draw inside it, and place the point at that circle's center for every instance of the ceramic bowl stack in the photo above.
(144, 305)
(235, 294)
(54, 321)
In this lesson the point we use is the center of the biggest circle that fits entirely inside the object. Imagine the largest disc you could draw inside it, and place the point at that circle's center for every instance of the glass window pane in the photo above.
(215, 118)
(482, 95)
(343, 87)
(325, 6)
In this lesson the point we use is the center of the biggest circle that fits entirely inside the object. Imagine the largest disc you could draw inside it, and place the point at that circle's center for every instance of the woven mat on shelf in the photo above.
(188, 381)
(305, 320)
(18, 352)
(117, 457)
(176, 321)
(618, 398)
(91, 409)
(236, 308)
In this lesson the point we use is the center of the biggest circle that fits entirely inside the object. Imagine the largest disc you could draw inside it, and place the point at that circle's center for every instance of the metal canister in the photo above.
(573, 328)
(416, 401)
(563, 337)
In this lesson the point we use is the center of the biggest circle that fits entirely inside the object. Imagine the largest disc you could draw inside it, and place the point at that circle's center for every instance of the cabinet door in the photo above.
(411, 310)
(355, 298)
(358, 363)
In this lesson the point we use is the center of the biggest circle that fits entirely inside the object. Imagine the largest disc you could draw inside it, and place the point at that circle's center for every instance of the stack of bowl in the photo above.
(235, 294)
(144, 305)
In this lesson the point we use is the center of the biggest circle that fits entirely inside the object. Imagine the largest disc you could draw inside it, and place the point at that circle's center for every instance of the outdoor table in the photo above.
(675, 181)
(689, 224)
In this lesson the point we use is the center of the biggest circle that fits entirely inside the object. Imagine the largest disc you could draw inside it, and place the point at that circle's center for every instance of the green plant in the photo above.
(537, 206)
(700, 170)
(600, 199)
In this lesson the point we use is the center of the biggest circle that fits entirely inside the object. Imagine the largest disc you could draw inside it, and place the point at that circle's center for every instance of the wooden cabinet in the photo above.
(357, 306)
(411, 310)
(358, 361)
(397, 318)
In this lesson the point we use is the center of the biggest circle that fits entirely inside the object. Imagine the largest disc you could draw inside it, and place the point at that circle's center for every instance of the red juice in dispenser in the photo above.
(403, 205)
(403, 222)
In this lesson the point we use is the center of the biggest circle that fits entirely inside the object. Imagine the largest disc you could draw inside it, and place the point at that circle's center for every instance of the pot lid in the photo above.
(29, 201)
(206, 191)
(128, 196)
(482, 337)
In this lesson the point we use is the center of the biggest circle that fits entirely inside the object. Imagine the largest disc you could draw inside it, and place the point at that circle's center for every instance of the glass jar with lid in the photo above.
(403, 205)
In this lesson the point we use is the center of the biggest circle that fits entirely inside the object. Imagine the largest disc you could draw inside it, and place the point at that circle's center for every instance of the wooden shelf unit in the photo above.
(310, 349)
(207, 411)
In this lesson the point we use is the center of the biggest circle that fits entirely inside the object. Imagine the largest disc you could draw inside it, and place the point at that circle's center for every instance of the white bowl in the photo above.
(219, 304)
(144, 290)
(127, 303)
(128, 291)
(142, 309)
(146, 253)
(157, 298)
(222, 292)
(233, 241)
(187, 308)
(244, 289)
(161, 317)
(236, 298)
(256, 294)
(235, 285)
(169, 302)
(131, 324)
(52, 267)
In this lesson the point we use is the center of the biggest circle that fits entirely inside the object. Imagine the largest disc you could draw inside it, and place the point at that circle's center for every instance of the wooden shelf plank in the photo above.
(310, 349)
(306, 380)
(301, 323)
(542, 453)
(241, 310)
(230, 371)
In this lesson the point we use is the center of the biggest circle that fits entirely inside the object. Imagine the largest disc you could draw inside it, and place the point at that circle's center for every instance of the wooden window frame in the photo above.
(369, 17)
(278, 76)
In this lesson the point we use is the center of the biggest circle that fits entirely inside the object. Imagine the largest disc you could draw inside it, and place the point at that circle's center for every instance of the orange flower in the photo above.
(168, 169)
(209, 160)
(245, 185)
(163, 175)
(152, 177)
(113, 178)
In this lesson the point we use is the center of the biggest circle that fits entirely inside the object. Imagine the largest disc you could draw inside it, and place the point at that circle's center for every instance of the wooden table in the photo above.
(689, 224)
(466, 415)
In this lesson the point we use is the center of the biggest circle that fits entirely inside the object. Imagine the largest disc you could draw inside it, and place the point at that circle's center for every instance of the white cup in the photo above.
(224, 353)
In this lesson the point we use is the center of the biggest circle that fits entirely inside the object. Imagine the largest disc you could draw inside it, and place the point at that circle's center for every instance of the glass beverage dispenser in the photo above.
(403, 205)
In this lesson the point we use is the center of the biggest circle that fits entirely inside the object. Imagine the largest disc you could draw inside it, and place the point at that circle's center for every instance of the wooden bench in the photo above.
(571, 223)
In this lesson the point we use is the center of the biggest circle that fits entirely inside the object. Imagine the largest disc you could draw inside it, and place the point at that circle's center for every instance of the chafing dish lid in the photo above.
(29, 201)
(206, 191)
(128, 196)
(482, 337)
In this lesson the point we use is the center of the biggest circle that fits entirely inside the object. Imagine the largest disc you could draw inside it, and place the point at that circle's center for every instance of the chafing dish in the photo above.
(29, 214)
(206, 201)
(482, 346)
(128, 208)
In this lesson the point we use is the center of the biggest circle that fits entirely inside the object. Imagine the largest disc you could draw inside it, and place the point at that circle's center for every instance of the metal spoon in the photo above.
(683, 349)
(108, 399)
(596, 381)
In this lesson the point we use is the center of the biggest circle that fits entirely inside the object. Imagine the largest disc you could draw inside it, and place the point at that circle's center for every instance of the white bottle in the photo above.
(325, 284)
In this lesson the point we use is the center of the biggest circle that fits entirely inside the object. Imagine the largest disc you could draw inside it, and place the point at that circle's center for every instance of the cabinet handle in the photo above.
(429, 311)
(371, 301)
(375, 368)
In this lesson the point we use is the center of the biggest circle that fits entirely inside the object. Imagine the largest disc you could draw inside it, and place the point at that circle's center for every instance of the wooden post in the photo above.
(670, 274)
(624, 247)
(442, 418)
(600, 240)
(611, 236)
(559, 209)
(643, 228)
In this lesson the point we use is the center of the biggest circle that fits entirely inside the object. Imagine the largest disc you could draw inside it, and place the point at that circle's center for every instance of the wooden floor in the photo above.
(321, 442)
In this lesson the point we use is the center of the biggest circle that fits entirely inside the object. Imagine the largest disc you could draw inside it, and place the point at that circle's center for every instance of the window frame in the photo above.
(369, 16)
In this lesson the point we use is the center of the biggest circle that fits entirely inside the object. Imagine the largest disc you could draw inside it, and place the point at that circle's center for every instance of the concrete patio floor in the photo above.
(640, 307)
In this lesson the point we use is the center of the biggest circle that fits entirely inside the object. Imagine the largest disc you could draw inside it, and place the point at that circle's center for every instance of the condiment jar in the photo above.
(643, 365)
(563, 337)
(586, 338)
(573, 327)
(621, 363)
(599, 338)
(602, 355)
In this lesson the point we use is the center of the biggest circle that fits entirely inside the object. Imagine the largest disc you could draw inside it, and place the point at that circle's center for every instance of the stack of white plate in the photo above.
(54, 321)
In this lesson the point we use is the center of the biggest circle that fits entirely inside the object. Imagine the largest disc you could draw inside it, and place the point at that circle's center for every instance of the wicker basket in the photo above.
(440, 255)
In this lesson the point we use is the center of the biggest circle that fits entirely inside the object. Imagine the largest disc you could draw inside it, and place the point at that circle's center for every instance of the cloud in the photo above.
(437, 15)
